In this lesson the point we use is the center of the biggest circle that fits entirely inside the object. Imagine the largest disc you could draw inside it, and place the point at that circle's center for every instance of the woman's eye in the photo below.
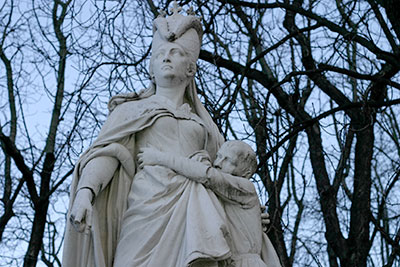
(158, 55)
(176, 52)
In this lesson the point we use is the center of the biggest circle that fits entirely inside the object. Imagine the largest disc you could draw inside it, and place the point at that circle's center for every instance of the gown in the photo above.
(166, 219)
(171, 221)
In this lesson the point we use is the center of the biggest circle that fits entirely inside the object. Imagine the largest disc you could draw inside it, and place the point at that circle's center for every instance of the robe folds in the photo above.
(188, 220)
(190, 203)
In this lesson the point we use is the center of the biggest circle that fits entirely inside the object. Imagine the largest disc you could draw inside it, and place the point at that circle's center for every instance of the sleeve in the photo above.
(98, 170)
(189, 168)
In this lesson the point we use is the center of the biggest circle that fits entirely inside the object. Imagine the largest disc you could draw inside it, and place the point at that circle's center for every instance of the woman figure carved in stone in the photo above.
(121, 214)
(150, 216)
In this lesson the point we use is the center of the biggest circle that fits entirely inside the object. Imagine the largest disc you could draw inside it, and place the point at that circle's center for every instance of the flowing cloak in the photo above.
(97, 248)
(116, 139)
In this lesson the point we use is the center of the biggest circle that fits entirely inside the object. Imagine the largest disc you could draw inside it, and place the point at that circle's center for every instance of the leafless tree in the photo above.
(50, 113)
(312, 85)
(328, 70)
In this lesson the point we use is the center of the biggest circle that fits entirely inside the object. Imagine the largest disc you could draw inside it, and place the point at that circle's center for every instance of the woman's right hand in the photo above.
(149, 156)
(81, 212)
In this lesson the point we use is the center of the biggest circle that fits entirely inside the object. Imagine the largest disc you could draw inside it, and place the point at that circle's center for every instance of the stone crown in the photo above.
(185, 30)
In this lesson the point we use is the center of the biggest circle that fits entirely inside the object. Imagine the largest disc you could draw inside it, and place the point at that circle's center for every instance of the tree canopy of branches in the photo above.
(312, 85)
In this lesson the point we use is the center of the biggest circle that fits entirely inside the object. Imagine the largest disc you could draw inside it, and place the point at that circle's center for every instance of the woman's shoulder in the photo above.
(135, 104)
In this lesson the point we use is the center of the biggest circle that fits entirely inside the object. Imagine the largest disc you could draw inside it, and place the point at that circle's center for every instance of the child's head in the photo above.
(237, 158)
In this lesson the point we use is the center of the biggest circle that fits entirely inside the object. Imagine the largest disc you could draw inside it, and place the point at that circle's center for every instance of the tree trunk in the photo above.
(358, 241)
(36, 240)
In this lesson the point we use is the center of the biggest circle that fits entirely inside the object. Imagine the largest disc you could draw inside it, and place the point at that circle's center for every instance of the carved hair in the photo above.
(246, 156)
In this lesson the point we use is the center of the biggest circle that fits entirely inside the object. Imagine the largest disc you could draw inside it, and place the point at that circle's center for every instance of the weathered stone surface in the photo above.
(126, 210)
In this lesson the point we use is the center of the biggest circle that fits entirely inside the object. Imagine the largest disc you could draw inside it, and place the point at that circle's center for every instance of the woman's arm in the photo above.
(231, 188)
(189, 168)
(97, 173)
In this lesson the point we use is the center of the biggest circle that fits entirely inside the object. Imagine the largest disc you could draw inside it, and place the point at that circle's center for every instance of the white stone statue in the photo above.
(228, 178)
(124, 214)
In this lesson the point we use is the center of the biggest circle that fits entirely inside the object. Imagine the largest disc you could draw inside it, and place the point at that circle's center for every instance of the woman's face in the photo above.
(171, 65)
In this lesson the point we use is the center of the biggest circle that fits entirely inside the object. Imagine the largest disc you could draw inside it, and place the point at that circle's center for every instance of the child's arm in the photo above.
(230, 188)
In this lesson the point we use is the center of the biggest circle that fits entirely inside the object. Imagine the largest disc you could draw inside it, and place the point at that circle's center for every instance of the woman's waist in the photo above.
(156, 176)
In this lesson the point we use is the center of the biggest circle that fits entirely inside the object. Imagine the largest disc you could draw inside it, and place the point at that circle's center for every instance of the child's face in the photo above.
(227, 160)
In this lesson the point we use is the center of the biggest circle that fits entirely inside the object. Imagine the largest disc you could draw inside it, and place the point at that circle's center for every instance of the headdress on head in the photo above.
(187, 32)
(184, 30)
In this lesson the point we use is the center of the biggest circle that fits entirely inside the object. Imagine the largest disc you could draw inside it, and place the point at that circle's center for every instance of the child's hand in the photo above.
(149, 156)
(265, 221)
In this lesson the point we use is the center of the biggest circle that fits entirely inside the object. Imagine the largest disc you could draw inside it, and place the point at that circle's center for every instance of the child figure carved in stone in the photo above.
(229, 178)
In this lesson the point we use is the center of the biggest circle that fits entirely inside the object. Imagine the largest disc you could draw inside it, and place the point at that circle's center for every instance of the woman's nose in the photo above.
(166, 58)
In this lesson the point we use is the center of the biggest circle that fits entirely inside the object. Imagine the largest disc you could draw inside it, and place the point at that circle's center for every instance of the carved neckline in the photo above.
(185, 107)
